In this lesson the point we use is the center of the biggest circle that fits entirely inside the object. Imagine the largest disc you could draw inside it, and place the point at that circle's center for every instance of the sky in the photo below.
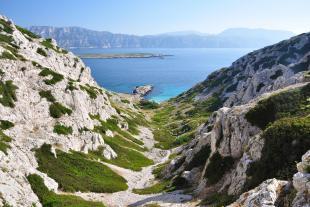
(143, 17)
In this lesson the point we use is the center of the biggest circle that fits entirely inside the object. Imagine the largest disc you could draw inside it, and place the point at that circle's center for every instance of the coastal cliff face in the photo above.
(258, 134)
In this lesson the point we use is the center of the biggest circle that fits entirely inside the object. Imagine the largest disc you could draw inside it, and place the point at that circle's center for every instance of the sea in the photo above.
(171, 75)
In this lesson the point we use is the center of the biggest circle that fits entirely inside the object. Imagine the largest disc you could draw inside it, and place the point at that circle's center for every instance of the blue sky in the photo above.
(159, 16)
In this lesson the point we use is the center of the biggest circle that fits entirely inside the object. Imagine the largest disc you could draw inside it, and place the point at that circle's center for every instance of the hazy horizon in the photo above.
(138, 17)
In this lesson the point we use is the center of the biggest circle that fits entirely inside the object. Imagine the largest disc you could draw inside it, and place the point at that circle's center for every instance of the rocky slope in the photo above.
(264, 119)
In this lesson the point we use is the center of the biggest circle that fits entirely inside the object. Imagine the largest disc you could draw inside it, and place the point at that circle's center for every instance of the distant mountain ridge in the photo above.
(77, 37)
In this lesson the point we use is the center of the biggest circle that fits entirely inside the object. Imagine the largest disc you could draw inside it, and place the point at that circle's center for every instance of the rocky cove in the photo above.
(204, 147)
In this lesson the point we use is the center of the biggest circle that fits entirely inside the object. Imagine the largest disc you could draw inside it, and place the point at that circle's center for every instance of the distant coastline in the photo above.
(129, 55)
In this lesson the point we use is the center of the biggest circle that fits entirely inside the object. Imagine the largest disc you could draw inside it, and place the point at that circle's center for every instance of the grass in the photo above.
(75, 172)
(47, 43)
(163, 186)
(57, 110)
(4, 124)
(146, 104)
(125, 101)
(56, 77)
(8, 93)
(126, 157)
(41, 52)
(50, 199)
(6, 39)
(62, 129)
(48, 95)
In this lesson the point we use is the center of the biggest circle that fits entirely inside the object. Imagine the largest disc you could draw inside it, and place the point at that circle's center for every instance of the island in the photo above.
(142, 90)
(122, 55)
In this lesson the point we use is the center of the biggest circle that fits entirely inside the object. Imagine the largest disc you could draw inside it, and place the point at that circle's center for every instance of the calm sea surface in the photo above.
(170, 76)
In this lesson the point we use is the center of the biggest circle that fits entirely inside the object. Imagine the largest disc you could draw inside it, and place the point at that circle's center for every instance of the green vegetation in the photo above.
(75, 172)
(8, 93)
(126, 157)
(6, 27)
(56, 77)
(27, 32)
(50, 199)
(125, 101)
(13, 54)
(41, 52)
(217, 167)
(61, 129)
(199, 158)
(91, 90)
(218, 200)
(4, 124)
(285, 104)
(47, 43)
(48, 95)
(6, 39)
(4, 142)
(163, 186)
(57, 110)
(71, 86)
(176, 121)
(7, 55)
(146, 104)
(286, 140)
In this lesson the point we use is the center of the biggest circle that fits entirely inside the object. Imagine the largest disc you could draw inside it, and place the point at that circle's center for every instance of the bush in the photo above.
(4, 142)
(50, 199)
(125, 101)
(289, 103)
(61, 129)
(286, 140)
(199, 158)
(75, 172)
(217, 167)
(48, 95)
(57, 110)
(4, 124)
(91, 90)
(27, 32)
(6, 27)
(8, 93)
(146, 104)
(41, 52)
(7, 55)
(56, 77)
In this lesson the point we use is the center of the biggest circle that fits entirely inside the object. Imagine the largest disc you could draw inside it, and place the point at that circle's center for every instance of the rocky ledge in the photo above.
(142, 90)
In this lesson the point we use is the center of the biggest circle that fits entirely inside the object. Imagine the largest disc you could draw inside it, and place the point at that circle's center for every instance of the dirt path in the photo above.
(141, 179)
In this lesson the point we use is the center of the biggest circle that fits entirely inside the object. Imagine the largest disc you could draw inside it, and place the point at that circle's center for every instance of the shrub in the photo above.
(48, 95)
(7, 55)
(6, 27)
(286, 140)
(4, 142)
(75, 172)
(27, 32)
(125, 101)
(71, 86)
(61, 129)
(50, 199)
(199, 158)
(4, 124)
(41, 52)
(56, 77)
(288, 103)
(146, 104)
(91, 90)
(57, 110)
(8, 93)
(217, 167)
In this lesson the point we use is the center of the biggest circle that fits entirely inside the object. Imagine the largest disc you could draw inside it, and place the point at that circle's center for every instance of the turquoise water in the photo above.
(170, 76)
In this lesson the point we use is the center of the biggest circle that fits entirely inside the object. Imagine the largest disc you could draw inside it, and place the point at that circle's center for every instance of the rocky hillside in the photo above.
(259, 132)
(72, 37)
(57, 126)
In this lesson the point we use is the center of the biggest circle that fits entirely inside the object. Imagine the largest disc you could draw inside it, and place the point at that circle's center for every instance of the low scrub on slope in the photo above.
(75, 172)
